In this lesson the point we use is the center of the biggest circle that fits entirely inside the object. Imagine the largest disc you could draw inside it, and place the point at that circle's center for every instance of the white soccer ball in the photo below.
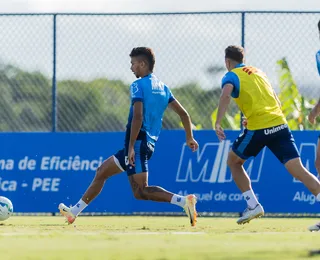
(6, 208)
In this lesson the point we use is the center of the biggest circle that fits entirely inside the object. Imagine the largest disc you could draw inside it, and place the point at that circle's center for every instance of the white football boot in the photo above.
(190, 208)
(250, 214)
(66, 212)
(315, 227)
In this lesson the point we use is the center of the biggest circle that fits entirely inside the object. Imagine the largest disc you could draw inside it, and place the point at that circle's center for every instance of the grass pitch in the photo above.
(160, 238)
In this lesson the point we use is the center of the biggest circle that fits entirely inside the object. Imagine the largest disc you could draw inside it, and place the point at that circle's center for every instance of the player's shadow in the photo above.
(4, 224)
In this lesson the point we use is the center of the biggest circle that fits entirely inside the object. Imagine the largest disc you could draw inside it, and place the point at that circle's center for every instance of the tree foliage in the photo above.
(294, 106)
(103, 104)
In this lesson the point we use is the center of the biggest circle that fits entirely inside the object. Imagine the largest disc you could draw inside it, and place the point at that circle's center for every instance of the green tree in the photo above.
(103, 104)
(197, 101)
(294, 106)
(25, 101)
(98, 105)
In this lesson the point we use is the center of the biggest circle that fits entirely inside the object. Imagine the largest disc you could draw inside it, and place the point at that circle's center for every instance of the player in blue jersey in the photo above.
(149, 99)
(315, 112)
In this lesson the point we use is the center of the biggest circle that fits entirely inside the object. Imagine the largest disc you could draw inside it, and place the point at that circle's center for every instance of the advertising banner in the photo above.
(40, 170)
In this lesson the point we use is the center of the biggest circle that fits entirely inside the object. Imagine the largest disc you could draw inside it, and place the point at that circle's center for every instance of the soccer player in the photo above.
(265, 126)
(315, 112)
(149, 99)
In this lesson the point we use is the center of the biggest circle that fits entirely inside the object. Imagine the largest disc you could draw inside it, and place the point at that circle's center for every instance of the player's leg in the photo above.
(142, 191)
(316, 227)
(284, 148)
(298, 171)
(138, 178)
(113, 165)
(108, 168)
(239, 174)
(246, 145)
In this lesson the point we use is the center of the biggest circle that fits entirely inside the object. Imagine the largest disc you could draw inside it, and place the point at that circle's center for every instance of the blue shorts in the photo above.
(143, 152)
(278, 139)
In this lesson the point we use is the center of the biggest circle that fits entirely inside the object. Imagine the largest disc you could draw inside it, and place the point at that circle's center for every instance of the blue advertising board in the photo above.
(40, 170)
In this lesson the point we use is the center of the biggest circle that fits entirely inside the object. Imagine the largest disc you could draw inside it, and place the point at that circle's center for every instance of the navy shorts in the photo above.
(143, 152)
(278, 139)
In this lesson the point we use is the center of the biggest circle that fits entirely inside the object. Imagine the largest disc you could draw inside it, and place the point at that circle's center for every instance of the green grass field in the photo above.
(156, 238)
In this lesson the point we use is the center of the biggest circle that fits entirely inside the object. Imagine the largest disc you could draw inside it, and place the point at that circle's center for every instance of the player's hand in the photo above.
(244, 122)
(131, 156)
(193, 144)
(312, 116)
(220, 132)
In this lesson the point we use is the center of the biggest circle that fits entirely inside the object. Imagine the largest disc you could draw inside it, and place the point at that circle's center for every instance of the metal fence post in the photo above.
(243, 17)
(54, 80)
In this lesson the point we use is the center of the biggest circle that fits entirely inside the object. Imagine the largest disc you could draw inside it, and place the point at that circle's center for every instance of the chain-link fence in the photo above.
(65, 72)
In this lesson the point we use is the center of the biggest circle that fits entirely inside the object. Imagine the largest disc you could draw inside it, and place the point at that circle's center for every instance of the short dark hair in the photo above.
(319, 25)
(146, 53)
(235, 53)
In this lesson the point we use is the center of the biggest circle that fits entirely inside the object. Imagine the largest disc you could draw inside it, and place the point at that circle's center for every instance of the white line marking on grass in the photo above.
(156, 233)
(12, 234)
(188, 233)
(114, 233)
(268, 233)
(100, 233)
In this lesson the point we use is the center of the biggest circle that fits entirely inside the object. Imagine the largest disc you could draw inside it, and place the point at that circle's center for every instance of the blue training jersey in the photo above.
(155, 96)
(318, 61)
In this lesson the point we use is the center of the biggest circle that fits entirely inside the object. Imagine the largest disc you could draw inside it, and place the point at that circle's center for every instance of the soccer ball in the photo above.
(6, 208)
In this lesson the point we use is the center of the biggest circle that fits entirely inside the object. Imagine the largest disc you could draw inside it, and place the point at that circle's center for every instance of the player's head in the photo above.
(233, 56)
(142, 61)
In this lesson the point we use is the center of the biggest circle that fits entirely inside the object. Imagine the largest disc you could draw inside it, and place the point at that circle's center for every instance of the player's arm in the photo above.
(224, 102)
(136, 124)
(314, 113)
(186, 122)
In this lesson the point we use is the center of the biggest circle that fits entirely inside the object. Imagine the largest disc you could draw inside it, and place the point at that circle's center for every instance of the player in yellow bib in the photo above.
(255, 98)
(265, 125)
